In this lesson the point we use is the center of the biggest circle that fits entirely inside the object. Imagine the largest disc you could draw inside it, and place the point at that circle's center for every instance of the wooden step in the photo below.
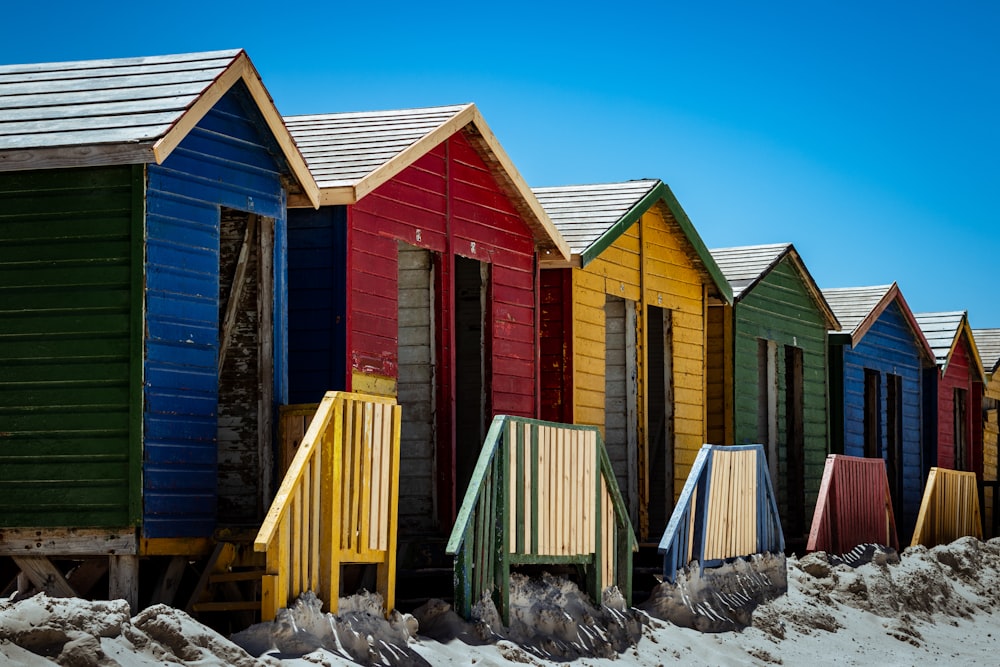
(244, 575)
(226, 606)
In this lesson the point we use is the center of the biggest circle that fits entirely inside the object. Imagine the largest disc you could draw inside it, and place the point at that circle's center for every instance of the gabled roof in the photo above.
(745, 266)
(943, 331)
(988, 343)
(124, 110)
(351, 154)
(592, 217)
(858, 308)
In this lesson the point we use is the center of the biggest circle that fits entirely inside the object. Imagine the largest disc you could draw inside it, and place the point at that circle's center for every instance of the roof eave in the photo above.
(241, 69)
(832, 323)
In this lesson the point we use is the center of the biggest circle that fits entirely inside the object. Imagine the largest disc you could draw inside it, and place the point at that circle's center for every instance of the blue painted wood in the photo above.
(317, 302)
(889, 346)
(228, 160)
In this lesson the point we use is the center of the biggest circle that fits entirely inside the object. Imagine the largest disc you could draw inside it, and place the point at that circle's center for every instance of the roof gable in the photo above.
(988, 343)
(944, 332)
(592, 217)
(124, 110)
(351, 154)
(746, 266)
(859, 308)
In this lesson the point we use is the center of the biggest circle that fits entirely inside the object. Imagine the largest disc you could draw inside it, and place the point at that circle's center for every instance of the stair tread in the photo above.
(226, 606)
(244, 575)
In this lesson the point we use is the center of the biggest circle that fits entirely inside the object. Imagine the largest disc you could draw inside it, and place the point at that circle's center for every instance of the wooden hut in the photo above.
(142, 227)
(876, 365)
(623, 334)
(767, 371)
(416, 278)
(988, 344)
(953, 395)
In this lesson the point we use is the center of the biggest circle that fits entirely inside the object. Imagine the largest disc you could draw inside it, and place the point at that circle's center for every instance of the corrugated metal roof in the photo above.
(342, 148)
(852, 305)
(93, 102)
(584, 213)
(744, 266)
(940, 329)
(988, 342)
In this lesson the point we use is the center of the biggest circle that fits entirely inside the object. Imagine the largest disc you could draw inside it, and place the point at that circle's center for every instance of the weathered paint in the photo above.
(69, 329)
(888, 347)
(778, 308)
(649, 264)
(447, 202)
(228, 161)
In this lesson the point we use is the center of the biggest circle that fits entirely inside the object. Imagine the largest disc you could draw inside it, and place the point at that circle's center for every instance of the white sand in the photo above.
(931, 607)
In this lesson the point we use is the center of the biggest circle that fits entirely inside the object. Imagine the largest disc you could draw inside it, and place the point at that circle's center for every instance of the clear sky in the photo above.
(864, 132)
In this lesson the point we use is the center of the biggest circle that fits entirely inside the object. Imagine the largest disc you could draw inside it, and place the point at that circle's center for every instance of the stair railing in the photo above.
(541, 493)
(337, 504)
(949, 509)
(854, 506)
(727, 509)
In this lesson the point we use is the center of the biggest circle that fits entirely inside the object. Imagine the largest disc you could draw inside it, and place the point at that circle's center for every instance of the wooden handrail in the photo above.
(949, 509)
(727, 509)
(336, 504)
(541, 493)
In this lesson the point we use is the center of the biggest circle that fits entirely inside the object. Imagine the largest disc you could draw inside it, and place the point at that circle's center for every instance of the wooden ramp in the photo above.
(727, 509)
(854, 506)
(541, 493)
(949, 509)
(337, 503)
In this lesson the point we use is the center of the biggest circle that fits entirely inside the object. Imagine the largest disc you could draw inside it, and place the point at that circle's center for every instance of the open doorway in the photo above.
(471, 342)
(620, 398)
(659, 417)
(245, 364)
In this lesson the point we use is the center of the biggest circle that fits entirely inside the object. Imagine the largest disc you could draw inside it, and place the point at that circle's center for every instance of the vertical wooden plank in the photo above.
(526, 495)
(375, 508)
(537, 470)
(387, 572)
(333, 442)
(123, 579)
(265, 358)
(305, 536)
(316, 469)
(346, 477)
(295, 542)
(514, 514)
(389, 444)
(541, 487)
(284, 556)
(365, 476)
(502, 536)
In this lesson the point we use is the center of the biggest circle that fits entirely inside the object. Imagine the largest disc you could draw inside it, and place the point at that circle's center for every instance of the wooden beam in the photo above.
(123, 580)
(45, 576)
(66, 542)
(170, 581)
(236, 289)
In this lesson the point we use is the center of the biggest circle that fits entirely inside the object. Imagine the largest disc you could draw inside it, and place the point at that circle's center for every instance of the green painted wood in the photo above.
(136, 333)
(528, 559)
(467, 508)
(781, 309)
(70, 317)
(534, 490)
(501, 536)
(519, 538)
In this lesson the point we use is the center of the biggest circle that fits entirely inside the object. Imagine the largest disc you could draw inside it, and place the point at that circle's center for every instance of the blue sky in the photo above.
(866, 133)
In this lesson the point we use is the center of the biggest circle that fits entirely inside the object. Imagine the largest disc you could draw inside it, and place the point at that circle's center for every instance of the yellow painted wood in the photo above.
(375, 385)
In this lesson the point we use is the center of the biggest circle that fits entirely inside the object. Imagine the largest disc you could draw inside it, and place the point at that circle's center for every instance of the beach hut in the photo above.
(623, 334)
(988, 344)
(767, 371)
(416, 278)
(876, 366)
(953, 395)
(142, 337)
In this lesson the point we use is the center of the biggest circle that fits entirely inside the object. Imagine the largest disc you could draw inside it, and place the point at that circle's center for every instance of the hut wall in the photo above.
(228, 161)
(780, 309)
(70, 334)
(888, 347)
(317, 302)
(450, 200)
(556, 351)
(958, 376)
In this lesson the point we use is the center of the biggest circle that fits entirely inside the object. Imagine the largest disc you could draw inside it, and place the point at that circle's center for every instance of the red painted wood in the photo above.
(447, 201)
(960, 373)
(853, 506)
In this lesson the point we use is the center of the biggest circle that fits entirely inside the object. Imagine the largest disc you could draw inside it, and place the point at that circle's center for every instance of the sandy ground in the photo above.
(925, 606)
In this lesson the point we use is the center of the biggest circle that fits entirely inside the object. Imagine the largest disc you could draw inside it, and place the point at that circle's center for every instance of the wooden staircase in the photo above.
(230, 583)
